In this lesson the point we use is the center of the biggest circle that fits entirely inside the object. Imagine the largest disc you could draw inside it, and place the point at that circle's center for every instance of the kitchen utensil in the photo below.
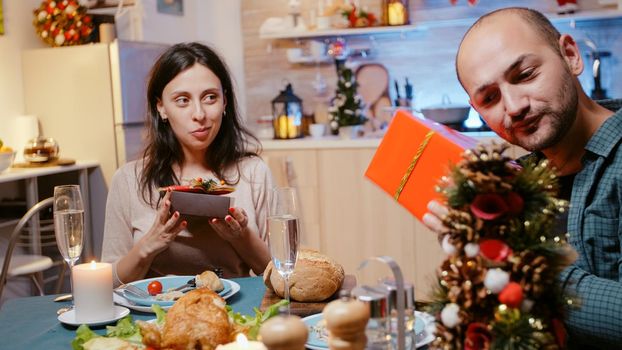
(64, 297)
(131, 289)
(190, 284)
(446, 112)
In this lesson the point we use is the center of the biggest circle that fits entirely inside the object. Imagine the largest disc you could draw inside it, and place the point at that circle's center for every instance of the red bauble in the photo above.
(511, 295)
(494, 249)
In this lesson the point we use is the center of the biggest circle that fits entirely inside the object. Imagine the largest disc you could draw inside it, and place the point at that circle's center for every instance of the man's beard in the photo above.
(559, 120)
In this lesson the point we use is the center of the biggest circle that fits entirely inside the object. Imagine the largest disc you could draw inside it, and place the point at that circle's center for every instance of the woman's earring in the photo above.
(224, 113)
(165, 120)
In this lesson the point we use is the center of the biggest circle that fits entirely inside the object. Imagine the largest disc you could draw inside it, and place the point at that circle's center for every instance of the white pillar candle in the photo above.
(241, 343)
(92, 291)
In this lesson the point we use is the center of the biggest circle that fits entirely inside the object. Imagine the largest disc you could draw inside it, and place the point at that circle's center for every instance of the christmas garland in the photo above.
(498, 289)
(62, 23)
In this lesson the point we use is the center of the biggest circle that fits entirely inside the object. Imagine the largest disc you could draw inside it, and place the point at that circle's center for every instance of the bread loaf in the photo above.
(315, 278)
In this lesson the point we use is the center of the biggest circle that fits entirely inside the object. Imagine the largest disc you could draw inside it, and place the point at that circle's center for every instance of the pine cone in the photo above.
(461, 228)
(530, 270)
(447, 339)
(488, 159)
(485, 181)
(464, 280)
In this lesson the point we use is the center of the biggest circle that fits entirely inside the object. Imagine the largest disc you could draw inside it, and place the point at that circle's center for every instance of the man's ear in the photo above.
(571, 54)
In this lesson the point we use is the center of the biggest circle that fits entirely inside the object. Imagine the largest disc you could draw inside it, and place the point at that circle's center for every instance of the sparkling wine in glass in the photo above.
(284, 232)
(69, 223)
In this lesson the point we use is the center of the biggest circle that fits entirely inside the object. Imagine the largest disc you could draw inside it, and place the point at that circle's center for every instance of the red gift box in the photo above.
(412, 157)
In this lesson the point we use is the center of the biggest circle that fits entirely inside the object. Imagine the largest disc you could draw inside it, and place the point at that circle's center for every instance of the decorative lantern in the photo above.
(395, 12)
(287, 115)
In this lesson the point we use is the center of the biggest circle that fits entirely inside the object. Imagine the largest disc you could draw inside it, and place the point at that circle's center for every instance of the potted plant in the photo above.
(346, 108)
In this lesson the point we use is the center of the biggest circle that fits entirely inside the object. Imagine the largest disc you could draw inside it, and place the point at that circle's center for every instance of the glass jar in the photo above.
(41, 149)
(409, 313)
(377, 331)
(395, 12)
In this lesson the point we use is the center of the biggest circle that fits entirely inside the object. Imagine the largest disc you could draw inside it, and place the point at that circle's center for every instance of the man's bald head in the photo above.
(535, 19)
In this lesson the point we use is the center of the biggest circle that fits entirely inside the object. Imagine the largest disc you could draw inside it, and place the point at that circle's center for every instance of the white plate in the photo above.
(235, 287)
(69, 317)
(167, 282)
(314, 342)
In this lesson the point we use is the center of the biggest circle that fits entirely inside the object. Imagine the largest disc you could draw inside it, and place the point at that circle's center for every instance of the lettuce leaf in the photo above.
(83, 334)
(160, 314)
(253, 323)
(125, 329)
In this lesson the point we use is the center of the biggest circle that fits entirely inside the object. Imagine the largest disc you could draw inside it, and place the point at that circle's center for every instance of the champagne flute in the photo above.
(284, 232)
(69, 224)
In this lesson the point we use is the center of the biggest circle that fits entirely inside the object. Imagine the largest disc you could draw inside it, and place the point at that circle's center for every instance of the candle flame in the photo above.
(93, 264)
(240, 339)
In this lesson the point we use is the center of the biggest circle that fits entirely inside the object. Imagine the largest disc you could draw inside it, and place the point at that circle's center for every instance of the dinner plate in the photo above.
(424, 328)
(120, 300)
(168, 282)
(69, 317)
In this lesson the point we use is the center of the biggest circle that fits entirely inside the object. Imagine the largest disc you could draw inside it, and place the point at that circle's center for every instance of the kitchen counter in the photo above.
(335, 142)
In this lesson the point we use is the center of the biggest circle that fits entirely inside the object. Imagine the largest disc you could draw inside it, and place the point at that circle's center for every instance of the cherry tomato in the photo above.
(154, 288)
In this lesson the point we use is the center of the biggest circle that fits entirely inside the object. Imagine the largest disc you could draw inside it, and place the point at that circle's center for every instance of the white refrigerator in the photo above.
(91, 98)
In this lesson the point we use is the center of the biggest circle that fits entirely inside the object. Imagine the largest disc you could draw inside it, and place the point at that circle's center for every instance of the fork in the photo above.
(190, 284)
(132, 289)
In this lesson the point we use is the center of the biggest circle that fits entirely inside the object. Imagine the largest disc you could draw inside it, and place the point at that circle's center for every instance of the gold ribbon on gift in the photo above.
(412, 164)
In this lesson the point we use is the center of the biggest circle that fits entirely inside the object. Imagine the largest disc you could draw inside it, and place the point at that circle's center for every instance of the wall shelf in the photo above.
(585, 15)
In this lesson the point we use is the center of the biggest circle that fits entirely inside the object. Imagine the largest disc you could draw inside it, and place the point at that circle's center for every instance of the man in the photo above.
(521, 76)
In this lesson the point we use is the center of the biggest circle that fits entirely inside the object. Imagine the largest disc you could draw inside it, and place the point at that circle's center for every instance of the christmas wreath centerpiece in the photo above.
(62, 23)
(497, 289)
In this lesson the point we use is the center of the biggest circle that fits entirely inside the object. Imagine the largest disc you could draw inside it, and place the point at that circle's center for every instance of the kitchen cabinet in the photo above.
(298, 168)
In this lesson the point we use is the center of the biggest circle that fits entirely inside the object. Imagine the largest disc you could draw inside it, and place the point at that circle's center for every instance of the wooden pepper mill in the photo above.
(284, 332)
(346, 320)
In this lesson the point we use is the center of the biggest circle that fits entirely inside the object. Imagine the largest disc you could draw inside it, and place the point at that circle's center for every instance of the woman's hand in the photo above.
(233, 226)
(433, 219)
(164, 230)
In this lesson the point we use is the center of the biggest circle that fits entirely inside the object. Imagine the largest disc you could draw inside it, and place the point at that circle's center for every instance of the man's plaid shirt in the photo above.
(595, 231)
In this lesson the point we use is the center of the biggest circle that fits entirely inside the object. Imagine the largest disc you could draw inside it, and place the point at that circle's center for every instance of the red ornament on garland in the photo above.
(512, 295)
(494, 249)
(489, 206)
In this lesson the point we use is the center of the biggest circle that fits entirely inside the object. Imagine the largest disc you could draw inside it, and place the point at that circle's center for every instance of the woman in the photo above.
(193, 131)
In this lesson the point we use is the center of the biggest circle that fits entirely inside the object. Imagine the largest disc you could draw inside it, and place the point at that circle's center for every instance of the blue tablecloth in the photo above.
(31, 323)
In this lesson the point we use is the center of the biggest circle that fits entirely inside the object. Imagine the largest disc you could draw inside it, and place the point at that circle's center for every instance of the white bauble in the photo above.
(449, 315)
(496, 280)
(471, 250)
(448, 248)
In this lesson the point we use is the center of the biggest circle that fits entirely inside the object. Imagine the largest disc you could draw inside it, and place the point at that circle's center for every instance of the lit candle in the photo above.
(92, 291)
(241, 343)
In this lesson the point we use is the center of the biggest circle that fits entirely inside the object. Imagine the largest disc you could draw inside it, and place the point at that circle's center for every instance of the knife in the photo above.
(397, 93)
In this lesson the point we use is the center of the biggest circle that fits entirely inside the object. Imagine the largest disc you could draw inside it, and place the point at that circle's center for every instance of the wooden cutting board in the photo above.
(56, 162)
(306, 309)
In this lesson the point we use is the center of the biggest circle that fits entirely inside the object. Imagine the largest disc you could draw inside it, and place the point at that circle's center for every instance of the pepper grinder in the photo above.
(284, 332)
(346, 320)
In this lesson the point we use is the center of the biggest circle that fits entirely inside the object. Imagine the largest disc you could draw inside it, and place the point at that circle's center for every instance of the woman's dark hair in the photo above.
(163, 149)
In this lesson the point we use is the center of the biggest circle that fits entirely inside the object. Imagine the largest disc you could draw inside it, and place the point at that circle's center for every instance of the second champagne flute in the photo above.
(284, 232)
(69, 224)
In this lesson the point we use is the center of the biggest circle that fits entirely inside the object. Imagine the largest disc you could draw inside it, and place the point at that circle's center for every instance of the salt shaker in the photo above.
(376, 300)
(284, 332)
(346, 321)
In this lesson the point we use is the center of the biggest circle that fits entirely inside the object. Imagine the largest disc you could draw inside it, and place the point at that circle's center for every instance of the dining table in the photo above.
(32, 322)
